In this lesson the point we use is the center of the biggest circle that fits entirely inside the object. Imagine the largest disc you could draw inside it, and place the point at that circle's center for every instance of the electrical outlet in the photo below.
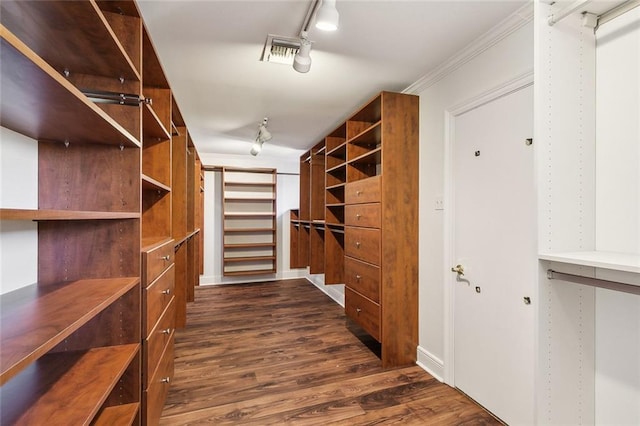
(439, 203)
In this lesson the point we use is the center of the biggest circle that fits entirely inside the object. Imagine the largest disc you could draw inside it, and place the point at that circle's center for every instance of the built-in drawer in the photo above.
(154, 396)
(363, 191)
(363, 244)
(156, 298)
(367, 215)
(363, 278)
(363, 311)
(156, 342)
(156, 260)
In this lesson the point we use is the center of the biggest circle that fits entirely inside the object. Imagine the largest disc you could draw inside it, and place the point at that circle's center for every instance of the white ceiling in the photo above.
(210, 51)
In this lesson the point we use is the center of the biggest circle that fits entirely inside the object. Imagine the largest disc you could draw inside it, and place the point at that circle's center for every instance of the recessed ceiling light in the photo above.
(280, 49)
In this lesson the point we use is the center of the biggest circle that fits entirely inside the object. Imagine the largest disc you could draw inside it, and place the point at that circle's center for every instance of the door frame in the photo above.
(450, 115)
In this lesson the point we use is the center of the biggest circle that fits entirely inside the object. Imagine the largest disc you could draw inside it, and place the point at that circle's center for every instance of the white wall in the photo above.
(287, 192)
(509, 57)
(617, 315)
(18, 189)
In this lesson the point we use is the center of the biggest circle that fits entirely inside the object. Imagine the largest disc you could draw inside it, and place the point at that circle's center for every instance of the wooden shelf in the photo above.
(373, 156)
(248, 245)
(625, 262)
(149, 244)
(35, 319)
(87, 45)
(83, 380)
(26, 77)
(250, 198)
(248, 214)
(247, 259)
(254, 272)
(44, 215)
(369, 136)
(338, 167)
(337, 186)
(117, 415)
(267, 184)
(152, 184)
(248, 230)
(153, 129)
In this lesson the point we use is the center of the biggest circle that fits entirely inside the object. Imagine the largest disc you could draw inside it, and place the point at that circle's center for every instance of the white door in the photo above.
(494, 241)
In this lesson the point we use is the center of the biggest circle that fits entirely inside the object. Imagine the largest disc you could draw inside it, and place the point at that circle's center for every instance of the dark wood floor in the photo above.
(283, 353)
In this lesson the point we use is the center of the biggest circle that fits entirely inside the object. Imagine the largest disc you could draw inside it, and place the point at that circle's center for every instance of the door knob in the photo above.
(458, 269)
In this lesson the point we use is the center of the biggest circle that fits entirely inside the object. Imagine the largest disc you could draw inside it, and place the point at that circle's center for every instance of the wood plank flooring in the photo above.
(282, 352)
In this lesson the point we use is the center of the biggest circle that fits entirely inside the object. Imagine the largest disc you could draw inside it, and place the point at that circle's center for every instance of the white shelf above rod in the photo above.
(554, 18)
(594, 282)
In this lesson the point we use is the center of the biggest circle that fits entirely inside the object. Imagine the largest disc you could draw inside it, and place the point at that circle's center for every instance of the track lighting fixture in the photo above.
(263, 136)
(302, 60)
(327, 16)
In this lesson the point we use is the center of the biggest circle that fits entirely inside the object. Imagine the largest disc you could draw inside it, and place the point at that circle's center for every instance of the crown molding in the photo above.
(509, 25)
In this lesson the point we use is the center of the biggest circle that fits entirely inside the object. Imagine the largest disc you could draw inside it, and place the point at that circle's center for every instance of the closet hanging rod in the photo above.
(594, 282)
(554, 18)
(617, 11)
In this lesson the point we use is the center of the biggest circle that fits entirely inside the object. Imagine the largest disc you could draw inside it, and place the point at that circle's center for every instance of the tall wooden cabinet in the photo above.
(371, 221)
(92, 340)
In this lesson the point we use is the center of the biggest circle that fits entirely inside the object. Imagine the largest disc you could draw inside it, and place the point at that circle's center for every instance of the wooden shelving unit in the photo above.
(78, 327)
(369, 227)
(249, 221)
(97, 318)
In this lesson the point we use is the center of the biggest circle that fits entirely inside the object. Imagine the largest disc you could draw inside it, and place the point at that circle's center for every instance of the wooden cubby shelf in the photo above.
(86, 32)
(247, 230)
(47, 214)
(249, 245)
(25, 77)
(117, 415)
(36, 318)
(152, 184)
(248, 259)
(83, 379)
(252, 272)
(152, 125)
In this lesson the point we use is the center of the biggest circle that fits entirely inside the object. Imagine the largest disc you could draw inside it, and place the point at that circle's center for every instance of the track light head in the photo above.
(256, 147)
(302, 60)
(263, 136)
(327, 17)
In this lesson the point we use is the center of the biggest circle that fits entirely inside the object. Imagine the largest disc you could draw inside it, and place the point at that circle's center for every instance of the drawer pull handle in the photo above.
(167, 291)
(358, 310)
(165, 380)
(166, 258)
(358, 244)
(358, 216)
(358, 193)
(166, 331)
(358, 276)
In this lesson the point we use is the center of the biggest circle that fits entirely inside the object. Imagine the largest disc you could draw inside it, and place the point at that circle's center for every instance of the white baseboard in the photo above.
(335, 292)
(430, 363)
(220, 280)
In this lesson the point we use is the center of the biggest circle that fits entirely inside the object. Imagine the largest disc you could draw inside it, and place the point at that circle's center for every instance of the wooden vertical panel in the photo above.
(179, 186)
(334, 256)
(128, 30)
(399, 229)
(317, 182)
(305, 186)
(181, 283)
(316, 249)
(88, 177)
(73, 250)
